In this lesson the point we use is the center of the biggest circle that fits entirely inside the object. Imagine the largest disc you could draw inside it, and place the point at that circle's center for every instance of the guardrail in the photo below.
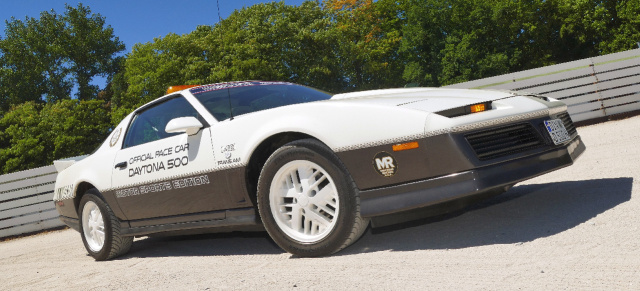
(593, 88)
(26, 203)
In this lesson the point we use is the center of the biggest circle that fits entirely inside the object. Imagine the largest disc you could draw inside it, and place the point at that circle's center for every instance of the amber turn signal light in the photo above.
(179, 88)
(477, 108)
(405, 146)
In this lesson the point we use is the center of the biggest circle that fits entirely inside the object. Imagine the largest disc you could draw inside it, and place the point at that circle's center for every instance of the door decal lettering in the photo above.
(163, 186)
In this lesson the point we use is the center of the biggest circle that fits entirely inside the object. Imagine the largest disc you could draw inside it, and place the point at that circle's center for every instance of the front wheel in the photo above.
(100, 229)
(307, 200)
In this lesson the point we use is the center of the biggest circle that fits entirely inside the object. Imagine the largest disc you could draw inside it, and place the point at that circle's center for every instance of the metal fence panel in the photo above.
(591, 97)
(619, 73)
(577, 95)
(26, 201)
(621, 92)
(620, 82)
(17, 185)
(587, 115)
(44, 197)
(28, 173)
(585, 107)
(575, 84)
(616, 60)
(33, 227)
(623, 108)
(10, 196)
(608, 84)
(528, 84)
(33, 208)
(29, 218)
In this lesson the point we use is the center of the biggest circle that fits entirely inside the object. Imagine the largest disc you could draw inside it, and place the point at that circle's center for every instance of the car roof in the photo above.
(235, 84)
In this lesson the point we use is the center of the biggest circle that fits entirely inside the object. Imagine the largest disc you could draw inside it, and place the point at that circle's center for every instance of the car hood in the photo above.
(423, 99)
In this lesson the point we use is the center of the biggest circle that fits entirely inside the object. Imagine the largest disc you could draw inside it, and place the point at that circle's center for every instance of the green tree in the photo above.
(32, 61)
(423, 40)
(42, 59)
(20, 145)
(269, 41)
(90, 48)
(154, 66)
(625, 36)
(368, 36)
(34, 135)
(446, 42)
(274, 41)
(600, 27)
(486, 38)
(84, 124)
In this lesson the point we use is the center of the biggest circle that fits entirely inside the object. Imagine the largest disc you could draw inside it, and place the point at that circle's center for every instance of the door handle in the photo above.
(121, 165)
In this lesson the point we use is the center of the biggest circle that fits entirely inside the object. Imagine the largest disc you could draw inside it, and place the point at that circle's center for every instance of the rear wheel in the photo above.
(100, 229)
(307, 200)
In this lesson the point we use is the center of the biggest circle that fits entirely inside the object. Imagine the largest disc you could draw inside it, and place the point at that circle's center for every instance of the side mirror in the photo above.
(190, 125)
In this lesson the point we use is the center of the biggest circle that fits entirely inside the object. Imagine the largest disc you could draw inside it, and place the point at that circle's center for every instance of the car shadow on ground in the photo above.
(522, 214)
(211, 244)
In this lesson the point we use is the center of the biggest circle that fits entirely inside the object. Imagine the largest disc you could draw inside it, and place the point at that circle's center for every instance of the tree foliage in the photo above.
(154, 66)
(274, 41)
(368, 36)
(90, 49)
(335, 45)
(270, 41)
(34, 134)
(42, 59)
(347, 45)
(454, 41)
(31, 61)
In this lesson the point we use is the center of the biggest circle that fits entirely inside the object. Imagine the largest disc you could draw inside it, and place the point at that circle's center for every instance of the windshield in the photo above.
(232, 99)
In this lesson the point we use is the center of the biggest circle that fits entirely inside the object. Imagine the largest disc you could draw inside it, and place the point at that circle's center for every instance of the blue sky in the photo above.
(137, 21)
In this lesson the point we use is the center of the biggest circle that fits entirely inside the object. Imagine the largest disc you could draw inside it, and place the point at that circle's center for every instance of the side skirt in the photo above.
(230, 220)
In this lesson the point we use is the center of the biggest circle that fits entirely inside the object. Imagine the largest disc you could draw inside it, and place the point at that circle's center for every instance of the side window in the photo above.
(217, 102)
(149, 125)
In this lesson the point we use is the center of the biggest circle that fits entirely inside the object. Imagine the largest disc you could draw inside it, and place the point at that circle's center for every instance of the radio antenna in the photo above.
(230, 108)
(218, 4)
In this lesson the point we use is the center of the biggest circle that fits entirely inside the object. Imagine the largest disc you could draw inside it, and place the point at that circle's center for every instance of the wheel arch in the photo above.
(80, 191)
(262, 152)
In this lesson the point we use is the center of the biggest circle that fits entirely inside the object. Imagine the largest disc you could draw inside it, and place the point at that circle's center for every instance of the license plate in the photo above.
(556, 130)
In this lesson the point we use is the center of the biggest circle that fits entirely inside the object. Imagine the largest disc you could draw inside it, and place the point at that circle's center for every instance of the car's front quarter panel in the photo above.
(337, 124)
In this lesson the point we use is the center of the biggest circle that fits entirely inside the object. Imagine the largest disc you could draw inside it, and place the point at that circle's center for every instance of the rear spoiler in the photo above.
(65, 163)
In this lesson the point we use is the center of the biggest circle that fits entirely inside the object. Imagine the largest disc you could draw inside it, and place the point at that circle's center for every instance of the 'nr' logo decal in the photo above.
(385, 164)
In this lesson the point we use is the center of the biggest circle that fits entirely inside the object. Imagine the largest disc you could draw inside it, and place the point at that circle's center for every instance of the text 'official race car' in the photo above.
(311, 168)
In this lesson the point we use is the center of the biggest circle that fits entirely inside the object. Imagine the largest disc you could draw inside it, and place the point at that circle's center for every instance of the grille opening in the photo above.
(568, 123)
(498, 142)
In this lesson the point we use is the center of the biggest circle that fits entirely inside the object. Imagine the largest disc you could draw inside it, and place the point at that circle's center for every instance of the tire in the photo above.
(100, 229)
(307, 200)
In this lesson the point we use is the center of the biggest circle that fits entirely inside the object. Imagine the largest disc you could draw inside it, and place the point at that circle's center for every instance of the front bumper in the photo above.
(495, 178)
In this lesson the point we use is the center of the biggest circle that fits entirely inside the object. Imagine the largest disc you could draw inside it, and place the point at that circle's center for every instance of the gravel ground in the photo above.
(575, 229)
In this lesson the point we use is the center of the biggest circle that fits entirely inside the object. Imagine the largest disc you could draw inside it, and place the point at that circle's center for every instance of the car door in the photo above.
(159, 174)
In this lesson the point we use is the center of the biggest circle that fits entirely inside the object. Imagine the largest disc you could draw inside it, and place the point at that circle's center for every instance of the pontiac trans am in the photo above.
(313, 169)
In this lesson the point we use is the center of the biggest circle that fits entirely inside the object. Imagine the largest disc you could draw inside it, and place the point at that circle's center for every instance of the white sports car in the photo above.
(311, 168)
